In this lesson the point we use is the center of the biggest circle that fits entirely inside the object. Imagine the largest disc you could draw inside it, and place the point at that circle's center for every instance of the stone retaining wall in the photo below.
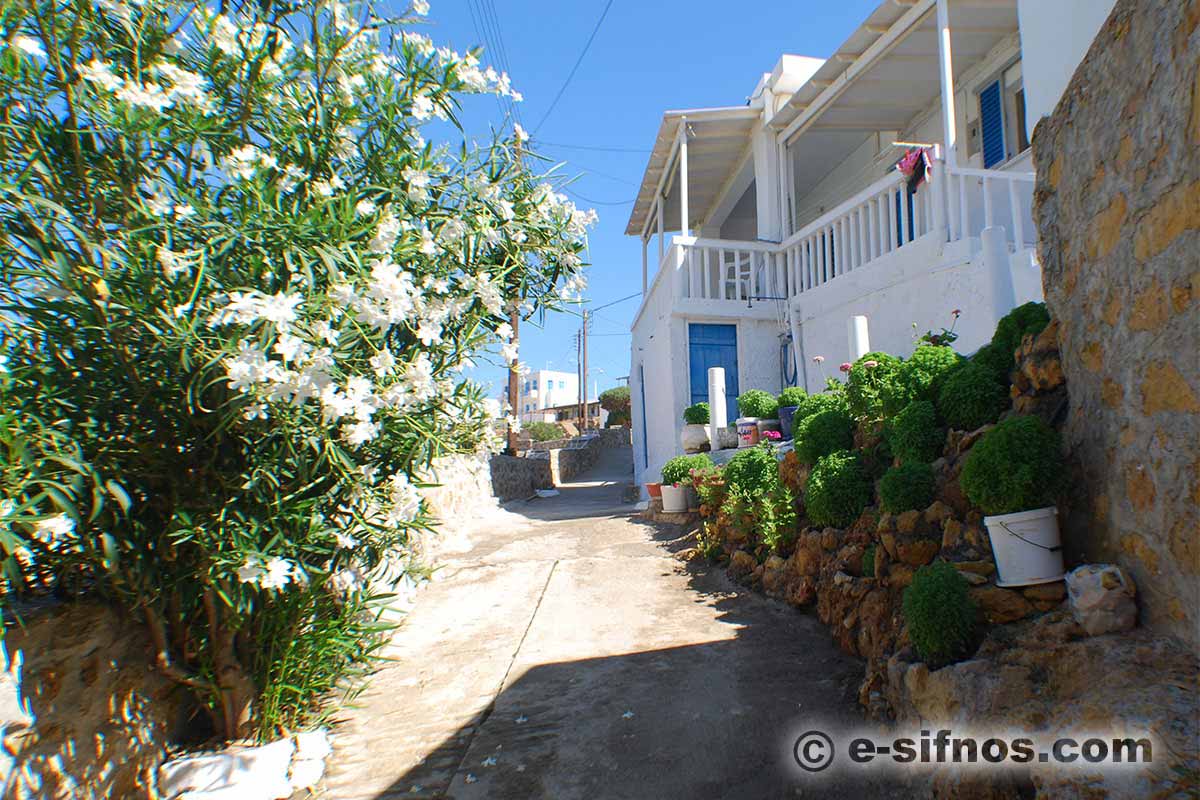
(515, 478)
(1118, 211)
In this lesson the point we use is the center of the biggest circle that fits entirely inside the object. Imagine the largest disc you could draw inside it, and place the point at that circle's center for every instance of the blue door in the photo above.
(713, 346)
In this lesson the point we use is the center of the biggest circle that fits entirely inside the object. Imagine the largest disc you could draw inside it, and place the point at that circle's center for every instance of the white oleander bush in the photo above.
(239, 290)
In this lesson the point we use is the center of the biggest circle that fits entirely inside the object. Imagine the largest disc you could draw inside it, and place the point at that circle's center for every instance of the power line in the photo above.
(574, 193)
(597, 148)
(614, 302)
(506, 65)
(578, 61)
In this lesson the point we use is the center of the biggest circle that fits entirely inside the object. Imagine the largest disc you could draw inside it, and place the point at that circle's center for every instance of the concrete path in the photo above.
(568, 654)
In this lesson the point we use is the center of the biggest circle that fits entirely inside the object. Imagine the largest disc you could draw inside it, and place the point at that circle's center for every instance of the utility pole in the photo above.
(578, 375)
(584, 385)
(513, 386)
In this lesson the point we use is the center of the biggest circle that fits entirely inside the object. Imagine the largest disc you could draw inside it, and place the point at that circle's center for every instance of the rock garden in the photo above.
(915, 512)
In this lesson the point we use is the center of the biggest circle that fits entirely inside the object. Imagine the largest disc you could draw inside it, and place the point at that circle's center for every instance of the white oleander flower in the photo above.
(27, 45)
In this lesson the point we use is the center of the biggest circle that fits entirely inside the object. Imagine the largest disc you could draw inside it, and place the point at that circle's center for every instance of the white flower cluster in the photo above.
(273, 574)
(179, 87)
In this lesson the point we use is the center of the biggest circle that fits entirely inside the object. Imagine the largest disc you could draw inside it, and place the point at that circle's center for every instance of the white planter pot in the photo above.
(1027, 547)
(694, 438)
(674, 498)
(747, 431)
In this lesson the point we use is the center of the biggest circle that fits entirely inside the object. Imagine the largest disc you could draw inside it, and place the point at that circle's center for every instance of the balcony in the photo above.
(881, 227)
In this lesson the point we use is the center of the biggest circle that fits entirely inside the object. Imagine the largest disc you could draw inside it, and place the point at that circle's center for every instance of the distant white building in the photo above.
(775, 223)
(546, 389)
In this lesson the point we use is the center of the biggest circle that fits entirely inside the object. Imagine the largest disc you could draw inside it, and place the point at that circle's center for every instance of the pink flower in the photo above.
(773, 435)
(870, 364)
(845, 367)
(818, 359)
(957, 313)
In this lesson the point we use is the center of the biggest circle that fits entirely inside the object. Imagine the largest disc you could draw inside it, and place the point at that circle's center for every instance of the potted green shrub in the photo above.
(1013, 473)
(789, 400)
(694, 436)
(756, 407)
(678, 494)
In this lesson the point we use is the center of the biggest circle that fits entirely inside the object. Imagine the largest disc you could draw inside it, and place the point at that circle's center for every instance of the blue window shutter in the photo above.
(991, 124)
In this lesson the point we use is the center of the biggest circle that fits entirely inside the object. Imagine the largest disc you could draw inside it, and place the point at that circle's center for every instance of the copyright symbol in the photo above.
(813, 751)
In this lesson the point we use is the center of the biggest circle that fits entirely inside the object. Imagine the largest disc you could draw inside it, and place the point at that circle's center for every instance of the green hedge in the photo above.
(914, 433)
(971, 398)
(941, 616)
(544, 431)
(757, 403)
(679, 469)
(752, 468)
(837, 490)
(823, 433)
(792, 396)
(865, 384)
(816, 403)
(908, 487)
(697, 414)
(1030, 318)
(1016, 466)
(920, 377)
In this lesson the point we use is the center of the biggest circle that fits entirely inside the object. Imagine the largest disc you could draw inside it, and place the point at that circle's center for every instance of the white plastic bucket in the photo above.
(1027, 547)
(674, 499)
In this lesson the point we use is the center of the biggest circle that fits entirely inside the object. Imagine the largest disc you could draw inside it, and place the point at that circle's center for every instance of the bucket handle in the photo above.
(1054, 549)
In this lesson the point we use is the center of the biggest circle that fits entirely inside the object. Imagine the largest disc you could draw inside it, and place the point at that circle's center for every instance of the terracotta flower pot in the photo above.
(654, 489)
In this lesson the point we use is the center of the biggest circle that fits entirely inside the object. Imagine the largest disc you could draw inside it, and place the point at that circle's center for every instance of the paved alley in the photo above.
(569, 654)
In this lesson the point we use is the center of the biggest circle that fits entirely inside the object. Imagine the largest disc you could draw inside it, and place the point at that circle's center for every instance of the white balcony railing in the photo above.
(956, 204)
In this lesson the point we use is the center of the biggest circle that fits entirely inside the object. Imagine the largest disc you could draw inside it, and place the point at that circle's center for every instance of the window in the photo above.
(1000, 132)
(562, 384)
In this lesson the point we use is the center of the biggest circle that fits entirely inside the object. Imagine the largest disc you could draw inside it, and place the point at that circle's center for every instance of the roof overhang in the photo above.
(888, 71)
(718, 140)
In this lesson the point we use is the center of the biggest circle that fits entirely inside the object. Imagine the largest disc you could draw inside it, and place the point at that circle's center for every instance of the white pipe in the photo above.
(716, 405)
(860, 340)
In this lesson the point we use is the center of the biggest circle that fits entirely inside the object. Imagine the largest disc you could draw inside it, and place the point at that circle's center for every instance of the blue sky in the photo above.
(646, 58)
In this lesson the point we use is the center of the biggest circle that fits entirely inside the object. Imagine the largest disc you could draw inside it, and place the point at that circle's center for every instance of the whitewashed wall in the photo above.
(1055, 36)
(893, 293)
(660, 345)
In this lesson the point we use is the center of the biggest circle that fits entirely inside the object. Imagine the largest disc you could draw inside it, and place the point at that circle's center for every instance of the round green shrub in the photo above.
(615, 399)
(1016, 466)
(908, 487)
(696, 414)
(920, 377)
(816, 403)
(822, 433)
(679, 469)
(792, 396)
(996, 361)
(837, 491)
(544, 431)
(940, 614)
(757, 403)
(1030, 318)
(752, 468)
(914, 434)
(971, 397)
(865, 385)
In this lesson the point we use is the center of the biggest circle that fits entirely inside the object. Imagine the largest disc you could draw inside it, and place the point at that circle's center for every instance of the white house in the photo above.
(775, 224)
(546, 389)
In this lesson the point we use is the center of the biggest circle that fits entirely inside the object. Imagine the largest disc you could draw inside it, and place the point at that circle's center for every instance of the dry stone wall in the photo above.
(1118, 212)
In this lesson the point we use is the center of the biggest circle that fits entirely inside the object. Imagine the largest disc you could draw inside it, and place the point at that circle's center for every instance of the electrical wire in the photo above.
(571, 74)
(574, 193)
(544, 143)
